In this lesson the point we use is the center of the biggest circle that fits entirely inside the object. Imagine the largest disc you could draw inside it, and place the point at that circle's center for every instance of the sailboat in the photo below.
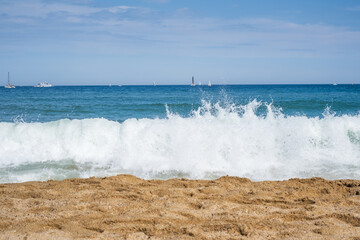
(9, 85)
(154, 84)
(43, 84)
(209, 84)
(192, 82)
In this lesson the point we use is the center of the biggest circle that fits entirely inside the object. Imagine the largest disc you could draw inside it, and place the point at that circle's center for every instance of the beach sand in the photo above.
(126, 207)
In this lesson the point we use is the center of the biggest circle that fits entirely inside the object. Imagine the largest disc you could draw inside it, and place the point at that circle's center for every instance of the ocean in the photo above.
(261, 132)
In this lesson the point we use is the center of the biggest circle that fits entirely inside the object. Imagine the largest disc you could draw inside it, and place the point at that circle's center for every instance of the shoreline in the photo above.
(127, 207)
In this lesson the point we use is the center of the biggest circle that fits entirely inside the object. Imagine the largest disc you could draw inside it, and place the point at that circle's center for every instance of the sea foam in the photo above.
(212, 141)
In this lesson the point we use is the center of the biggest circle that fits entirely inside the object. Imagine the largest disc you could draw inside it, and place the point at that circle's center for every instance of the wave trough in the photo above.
(214, 140)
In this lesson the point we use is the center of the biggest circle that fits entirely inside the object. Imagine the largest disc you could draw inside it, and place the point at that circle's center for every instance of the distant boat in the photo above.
(334, 84)
(154, 84)
(199, 83)
(9, 85)
(192, 82)
(209, 84)
(43, 84)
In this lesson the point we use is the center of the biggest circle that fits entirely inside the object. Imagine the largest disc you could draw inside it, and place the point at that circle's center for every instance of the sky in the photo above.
(100, 42)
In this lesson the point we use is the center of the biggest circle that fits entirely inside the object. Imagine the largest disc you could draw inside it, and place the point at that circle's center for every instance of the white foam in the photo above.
(213, 141)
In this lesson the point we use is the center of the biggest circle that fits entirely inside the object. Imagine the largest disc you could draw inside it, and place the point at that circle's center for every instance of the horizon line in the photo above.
(204, 85)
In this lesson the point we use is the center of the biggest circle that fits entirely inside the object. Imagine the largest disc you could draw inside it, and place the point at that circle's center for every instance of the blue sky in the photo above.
(168, 41)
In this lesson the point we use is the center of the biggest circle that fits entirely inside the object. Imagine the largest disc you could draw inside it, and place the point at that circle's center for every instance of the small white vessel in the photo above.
(43, 84)
(192, 82)
(334, 84)
(199, 84)
(209, 84)
(9, 85)
(154, 84)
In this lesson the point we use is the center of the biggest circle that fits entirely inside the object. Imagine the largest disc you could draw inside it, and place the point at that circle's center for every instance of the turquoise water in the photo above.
(263, 132)
(116, 103)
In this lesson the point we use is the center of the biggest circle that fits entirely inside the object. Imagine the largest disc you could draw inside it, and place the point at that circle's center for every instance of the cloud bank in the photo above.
(85, 28)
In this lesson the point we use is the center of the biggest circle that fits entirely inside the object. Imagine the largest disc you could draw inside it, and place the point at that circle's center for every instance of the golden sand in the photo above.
(126, 207)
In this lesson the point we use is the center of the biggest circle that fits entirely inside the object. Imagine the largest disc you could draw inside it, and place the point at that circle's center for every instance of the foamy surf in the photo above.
(213, 141)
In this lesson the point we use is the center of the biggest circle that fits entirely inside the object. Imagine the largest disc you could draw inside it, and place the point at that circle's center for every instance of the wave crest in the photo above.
(216, 139)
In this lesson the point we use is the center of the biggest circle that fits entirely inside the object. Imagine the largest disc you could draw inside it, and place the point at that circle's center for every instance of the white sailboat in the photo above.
(9, 85)
(192, 82)
(209, 84)
(43, 84)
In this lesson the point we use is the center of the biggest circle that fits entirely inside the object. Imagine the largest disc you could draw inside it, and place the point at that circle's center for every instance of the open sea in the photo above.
(262, 132)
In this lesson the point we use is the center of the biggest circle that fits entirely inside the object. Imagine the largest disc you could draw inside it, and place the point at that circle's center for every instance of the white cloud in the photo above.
(118, 9)
(138, 29)
(356, 8)
(36, 8)
(74, 19)
(157, 1)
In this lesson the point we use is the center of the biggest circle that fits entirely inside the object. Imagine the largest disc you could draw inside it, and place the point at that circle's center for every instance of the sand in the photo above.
(126, 207)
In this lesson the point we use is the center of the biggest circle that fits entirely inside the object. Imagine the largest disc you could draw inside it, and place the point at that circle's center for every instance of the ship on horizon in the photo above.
(43, 84)
(192, 82)
(9, 85)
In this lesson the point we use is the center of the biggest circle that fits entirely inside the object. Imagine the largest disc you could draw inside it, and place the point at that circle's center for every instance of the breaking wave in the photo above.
(214, 140)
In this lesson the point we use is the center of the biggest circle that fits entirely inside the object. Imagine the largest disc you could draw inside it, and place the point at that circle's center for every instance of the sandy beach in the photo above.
(126, 207)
